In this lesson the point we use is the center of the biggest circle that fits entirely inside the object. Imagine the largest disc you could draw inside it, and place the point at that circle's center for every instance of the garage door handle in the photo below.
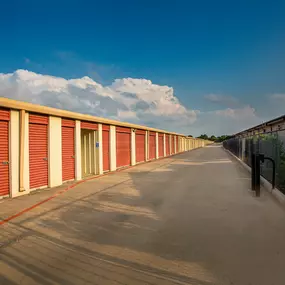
(5, 162)
(45, 158)
(73, 156)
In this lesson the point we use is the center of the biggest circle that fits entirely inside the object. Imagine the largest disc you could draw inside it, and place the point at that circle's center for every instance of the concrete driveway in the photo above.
(188, 219)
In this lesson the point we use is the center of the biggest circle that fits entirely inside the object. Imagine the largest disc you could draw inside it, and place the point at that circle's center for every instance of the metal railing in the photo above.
(271, 145)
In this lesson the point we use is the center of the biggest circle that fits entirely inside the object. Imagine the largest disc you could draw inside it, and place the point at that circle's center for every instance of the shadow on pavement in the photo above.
(135, 232)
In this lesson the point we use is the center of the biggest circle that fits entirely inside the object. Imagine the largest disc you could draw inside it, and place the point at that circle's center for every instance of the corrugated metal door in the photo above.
(167, 149)
(89, 125)
(177, 144)
(160, 145)
(38, 150)
(106, 147)
(4, 152)
(140, 145)
(172, 144)
(152, 145)
(68, 149)
(123, 145)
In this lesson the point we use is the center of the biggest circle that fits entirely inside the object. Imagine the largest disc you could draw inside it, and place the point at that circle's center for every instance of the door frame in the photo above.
(93, 152)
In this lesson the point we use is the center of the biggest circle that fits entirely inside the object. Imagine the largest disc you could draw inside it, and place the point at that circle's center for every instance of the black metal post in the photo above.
(257, 175)
(273, 174)
(253, 171)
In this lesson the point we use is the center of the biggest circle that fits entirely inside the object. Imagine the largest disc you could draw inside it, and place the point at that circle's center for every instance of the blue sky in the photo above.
(232, 49)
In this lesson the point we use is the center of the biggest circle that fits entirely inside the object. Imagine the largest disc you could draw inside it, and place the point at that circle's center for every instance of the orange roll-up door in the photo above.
(152, 145)
(89, 125)
(172, 144)
(177, 144)
(167, 149)
(4, 152)
(160, 145)
(68, 149)
(140, 145)
(123, 146)
(38, 150)
(106, 147)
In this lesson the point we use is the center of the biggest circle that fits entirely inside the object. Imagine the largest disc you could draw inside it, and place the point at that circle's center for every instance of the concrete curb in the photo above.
(267, 185)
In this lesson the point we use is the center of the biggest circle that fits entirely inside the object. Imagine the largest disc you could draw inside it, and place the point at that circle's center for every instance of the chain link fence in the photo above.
(271, 145)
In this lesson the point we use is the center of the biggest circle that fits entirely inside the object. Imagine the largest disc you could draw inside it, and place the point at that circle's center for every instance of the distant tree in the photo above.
(203, 137)
(213, 138)
(189, 136)
(223, 138)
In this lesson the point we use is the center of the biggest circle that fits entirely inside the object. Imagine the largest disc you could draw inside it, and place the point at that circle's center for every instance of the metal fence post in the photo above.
(257, 175)
(253, 171)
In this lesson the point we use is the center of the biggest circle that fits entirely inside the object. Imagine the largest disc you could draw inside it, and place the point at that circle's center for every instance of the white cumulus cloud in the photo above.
(226, 121)
(128, 99)
(227, 101)
(244, 113)
(278, 96)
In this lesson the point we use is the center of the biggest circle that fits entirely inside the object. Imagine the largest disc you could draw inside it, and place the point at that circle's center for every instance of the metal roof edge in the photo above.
(267, 123)
(40, 109)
